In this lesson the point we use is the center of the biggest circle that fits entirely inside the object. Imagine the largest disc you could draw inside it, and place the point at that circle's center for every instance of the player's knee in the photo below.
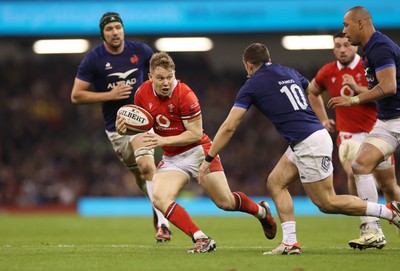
(145, 161)
(146, 167)
(273, 185)
(360, 167)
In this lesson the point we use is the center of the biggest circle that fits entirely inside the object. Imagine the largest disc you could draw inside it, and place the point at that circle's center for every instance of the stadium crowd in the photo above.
(52, 152)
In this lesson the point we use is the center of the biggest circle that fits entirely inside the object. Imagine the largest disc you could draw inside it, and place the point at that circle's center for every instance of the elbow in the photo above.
(229, 129)
(198, 137)
(74, 99)
(392, 90)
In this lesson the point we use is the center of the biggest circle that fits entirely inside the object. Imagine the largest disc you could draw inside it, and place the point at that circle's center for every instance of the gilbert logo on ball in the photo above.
(136, 118)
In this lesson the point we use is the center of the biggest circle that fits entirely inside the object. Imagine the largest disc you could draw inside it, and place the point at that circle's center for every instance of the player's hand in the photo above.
(349, 81)
(338, 101)
(329, 125)
(121, 92)
(152, 140)
(120, 125)
(203, 170)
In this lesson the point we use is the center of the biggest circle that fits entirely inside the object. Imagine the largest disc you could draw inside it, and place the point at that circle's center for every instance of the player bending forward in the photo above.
(279, 93)
(179, 131)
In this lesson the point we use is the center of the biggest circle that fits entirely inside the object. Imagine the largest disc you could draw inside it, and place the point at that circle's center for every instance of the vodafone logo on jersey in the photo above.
(163, 121)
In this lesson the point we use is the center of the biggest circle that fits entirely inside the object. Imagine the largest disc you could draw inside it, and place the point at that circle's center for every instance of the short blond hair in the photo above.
(162, 59)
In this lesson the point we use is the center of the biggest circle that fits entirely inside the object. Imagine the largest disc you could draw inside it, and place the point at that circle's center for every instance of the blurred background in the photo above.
(53, 153)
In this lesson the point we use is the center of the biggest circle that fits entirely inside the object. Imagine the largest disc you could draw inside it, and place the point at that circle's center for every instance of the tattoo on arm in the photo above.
(380, 89)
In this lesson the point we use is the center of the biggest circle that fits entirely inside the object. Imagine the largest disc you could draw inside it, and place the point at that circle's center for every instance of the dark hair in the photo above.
(339, 35)
(257, 54)
(108, 17)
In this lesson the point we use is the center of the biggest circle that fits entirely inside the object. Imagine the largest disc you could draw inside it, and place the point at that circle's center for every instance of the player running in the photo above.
(115, 70)
(353, 125)
(279, 93)
(178, 130)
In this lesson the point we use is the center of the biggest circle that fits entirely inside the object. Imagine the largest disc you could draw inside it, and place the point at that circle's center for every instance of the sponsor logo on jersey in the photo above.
(123, 75)
(108, 66)
(164, 123)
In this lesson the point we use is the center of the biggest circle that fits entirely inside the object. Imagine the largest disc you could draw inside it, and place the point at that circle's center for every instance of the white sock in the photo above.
(289, 233)
(378, 210)
(199, 234)
(261, 212)
(366, 190)
(160, 216)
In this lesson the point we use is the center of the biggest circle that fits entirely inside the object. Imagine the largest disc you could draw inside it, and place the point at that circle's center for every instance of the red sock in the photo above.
(181, 219)
(244, 203)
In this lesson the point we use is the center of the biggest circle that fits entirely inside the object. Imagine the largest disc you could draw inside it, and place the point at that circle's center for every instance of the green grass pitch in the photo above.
(68, 242)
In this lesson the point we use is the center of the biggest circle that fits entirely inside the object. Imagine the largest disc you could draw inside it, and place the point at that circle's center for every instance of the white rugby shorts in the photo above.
(353, 142)
(313, 156)
(187, 162)
(123, 148)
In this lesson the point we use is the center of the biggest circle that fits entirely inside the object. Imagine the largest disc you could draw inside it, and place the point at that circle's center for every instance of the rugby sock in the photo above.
(379, 210)
(161, 219)
(244, 204)
(366, 190)
(181, 219)
(289, 233)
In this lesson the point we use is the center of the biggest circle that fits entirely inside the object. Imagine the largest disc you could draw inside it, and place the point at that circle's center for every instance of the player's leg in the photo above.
(386, 178)
(124, 149)
(323, 195)
(216, 186)
(387, 182)
(284, 174)
(146, 166)
(371, 234)
(166, 187)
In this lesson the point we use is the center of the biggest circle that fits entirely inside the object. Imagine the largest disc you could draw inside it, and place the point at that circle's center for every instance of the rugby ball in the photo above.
(136, 118)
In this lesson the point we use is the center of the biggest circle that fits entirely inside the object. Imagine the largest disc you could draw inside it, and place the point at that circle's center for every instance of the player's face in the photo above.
(351, 29)
(163, 80)
(114, 35)
(344, 51)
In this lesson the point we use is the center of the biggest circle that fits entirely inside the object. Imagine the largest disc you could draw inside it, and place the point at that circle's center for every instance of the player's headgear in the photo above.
(109, 17)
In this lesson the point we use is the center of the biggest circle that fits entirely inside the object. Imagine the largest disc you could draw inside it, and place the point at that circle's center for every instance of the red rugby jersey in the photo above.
(354, 119)
(169, 112)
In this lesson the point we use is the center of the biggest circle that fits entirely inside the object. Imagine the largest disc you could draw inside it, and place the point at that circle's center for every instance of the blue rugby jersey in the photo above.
(279, 93)
(105, 70)
(381, 52)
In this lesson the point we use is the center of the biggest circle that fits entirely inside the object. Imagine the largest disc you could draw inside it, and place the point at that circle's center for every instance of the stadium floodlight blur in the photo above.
(308, 42)
(61, 46)
(195, 44)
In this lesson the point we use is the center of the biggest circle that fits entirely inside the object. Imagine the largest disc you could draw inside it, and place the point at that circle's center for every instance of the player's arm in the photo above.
(348, 80)
(193, 133)
(386, 87)
(317, 104)
(82, 93)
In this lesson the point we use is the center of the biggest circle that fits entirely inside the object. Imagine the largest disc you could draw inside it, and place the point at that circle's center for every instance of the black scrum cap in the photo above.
(109, 17)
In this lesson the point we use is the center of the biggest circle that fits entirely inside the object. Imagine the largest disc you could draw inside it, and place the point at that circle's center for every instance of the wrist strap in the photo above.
(209, 158)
